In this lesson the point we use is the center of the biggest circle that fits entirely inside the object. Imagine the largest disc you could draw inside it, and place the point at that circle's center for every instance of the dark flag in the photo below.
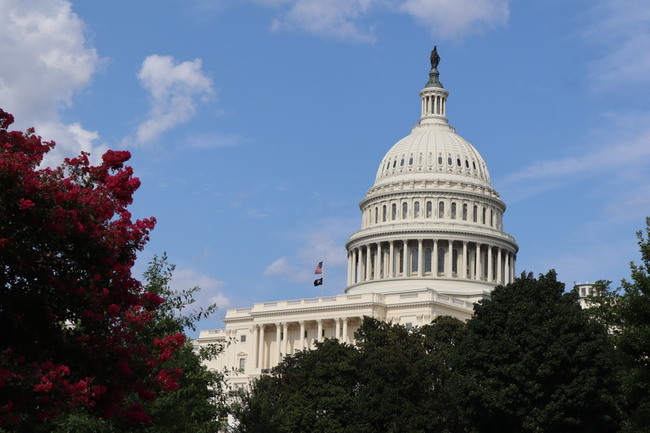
(319, 268)
(318, 282)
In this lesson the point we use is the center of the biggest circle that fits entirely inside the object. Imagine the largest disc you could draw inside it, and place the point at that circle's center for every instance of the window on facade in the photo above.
(242, 338)
(411, 161)
(408, 326)
(416, 210)
(414, 259)
(401, 163)
(429, 209)
(450, 161)
(383, 213)
(393, 213)
(441, 260)
(440, 160)
(441, 209)
(466, 164)
(464, 211)
(491, 218)
(405, 208)
(475, 214)
(242, 364)
(453, 211)
(483, 219)
(394, 163)
(427, 260)
(376, 215)
(458, 162)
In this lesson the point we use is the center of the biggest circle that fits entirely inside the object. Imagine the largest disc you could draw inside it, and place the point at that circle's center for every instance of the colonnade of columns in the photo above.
(430, 258)
(267, 352)
(434, 104)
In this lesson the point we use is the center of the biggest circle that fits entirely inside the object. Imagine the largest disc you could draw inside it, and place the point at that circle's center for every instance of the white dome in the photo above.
(431, 218)
(433, 152)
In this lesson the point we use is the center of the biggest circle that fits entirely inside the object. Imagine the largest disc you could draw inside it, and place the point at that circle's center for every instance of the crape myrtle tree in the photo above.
(533, 361)
(197, 405)
(73, 318)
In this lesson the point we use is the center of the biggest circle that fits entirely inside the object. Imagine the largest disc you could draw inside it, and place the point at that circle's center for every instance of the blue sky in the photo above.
(256, 126)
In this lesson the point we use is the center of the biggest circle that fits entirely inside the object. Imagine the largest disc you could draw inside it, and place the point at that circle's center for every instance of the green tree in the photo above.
(310, 391)
(634, 339)
(534, 362)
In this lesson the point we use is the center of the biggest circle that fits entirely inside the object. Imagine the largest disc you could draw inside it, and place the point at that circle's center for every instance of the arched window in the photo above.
(464, 211)
(491, 218)
(450, 161)
(416, 210)
(427, 260)
(475, 214)
(376, 215)
(383, 214)
(393, 214)
(483, 219)
(429, 209)
(441, 209)
(441, 260)
(405, 209)
(453, 211)
(414, 260)
(440, 160)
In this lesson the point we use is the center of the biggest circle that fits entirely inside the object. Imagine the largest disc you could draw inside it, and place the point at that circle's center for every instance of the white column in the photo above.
(320, 330)
(489, 262)
(507, 270)
(512, 269)
(499, 267)
(450, 256)
(420, 258)
(368, 265)
(337, 328)
(463, 273)
(253, 351)
(261, 347)
(349, 267)
(391, 260)
(345, 329)
(378, 263)
(302, 335)
(285, 341)
(434, 258)
(278, 341)
(354, 266)
(405, 262)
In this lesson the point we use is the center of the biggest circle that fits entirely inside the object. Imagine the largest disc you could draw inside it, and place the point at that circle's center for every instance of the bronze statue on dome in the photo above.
(435, 58)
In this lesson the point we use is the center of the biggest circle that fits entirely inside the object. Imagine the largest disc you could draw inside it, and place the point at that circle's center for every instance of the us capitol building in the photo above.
(431, 244)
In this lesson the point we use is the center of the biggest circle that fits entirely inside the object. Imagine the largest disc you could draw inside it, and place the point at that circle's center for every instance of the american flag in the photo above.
(319, 268)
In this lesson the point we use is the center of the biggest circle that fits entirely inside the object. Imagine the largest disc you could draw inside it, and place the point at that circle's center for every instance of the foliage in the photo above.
(389, 382)
(634, 339)
(73, 318)
(310, 391)
(533, 362)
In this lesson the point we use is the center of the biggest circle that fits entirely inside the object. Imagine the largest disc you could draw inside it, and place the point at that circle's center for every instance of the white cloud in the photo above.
(457, 18)
(621, 31)
(324, 244)
(334, 18)
(621, 152)
(210, 293)
(175, 90)
(278, 267)
(46, 61)
(348, 20)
